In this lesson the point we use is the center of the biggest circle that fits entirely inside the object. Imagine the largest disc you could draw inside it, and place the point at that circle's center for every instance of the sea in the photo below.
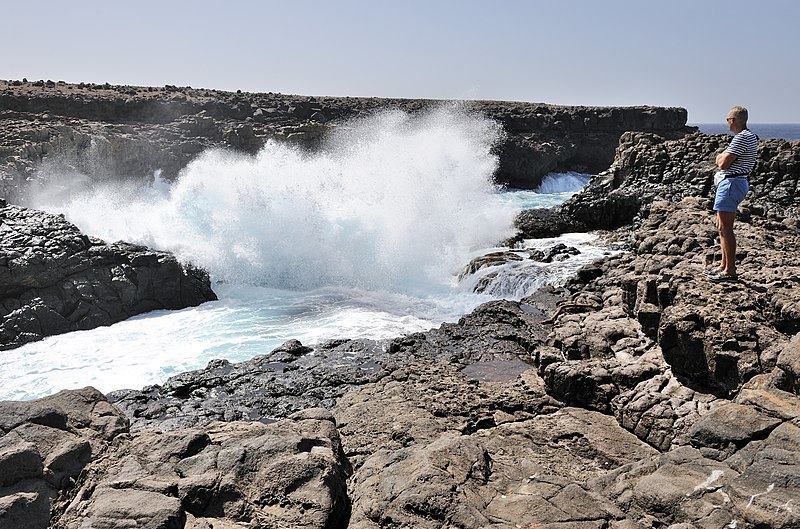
(363, 238)
(786, 131)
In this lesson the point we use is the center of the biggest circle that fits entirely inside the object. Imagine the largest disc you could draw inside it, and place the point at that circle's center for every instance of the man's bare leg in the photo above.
(727, 241)
(723, 262)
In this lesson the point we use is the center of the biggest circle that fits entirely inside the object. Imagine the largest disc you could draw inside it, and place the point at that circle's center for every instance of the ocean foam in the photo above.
(391, 201)
(360, 240)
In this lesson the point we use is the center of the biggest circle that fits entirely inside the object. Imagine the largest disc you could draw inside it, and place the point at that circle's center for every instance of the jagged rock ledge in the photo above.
(648, 167)
(652, 398)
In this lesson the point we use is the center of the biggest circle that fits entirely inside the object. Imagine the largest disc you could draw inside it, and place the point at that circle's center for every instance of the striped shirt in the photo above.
(745, 146)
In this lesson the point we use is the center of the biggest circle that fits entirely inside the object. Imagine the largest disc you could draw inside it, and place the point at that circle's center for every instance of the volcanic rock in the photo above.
(69, 461)
(648, 167)
(55, 279)
(638, 395)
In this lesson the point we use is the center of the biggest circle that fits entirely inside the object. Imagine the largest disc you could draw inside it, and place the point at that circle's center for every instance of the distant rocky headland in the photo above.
(130, 132)
(639, 395)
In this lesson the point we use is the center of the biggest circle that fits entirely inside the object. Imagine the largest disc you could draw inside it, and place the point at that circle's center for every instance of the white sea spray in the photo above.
(361, 239)
(392, 201)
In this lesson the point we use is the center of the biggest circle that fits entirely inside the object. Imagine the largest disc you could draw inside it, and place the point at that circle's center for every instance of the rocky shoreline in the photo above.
(639, 395)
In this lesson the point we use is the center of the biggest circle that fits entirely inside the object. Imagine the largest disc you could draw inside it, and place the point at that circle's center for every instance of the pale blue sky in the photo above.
(704, 55)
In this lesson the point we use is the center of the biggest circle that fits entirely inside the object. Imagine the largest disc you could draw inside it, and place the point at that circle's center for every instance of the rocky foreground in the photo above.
(639, 395)
(653, 398)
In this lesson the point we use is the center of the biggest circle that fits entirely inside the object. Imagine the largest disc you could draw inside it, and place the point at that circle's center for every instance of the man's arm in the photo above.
(725, 159)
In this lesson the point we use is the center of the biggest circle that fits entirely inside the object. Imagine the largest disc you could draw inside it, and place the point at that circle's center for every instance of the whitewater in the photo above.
(362, 238)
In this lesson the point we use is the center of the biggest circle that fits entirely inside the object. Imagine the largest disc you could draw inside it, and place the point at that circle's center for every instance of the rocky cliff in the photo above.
(105, 131)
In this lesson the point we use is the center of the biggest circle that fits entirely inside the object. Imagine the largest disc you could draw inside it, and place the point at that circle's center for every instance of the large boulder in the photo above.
(55, 279)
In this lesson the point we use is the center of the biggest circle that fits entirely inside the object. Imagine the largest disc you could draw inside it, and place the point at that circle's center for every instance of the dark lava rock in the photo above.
(54, 279)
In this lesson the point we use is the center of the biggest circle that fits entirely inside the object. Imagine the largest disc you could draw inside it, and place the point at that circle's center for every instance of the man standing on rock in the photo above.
(735, 163)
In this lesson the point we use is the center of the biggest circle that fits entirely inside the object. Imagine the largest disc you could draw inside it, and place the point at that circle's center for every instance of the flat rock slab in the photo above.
(756, 487)
(731, 426)
(436, 447)
(518, 474)
(496, 370)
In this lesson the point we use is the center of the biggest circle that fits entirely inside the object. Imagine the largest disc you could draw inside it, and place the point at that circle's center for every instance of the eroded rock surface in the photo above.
(45, 445)
(286, 474)
(69, 461)
(651, 167)
(641, 394)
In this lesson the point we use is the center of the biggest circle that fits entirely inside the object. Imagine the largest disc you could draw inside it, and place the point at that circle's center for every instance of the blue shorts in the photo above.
(730, 192)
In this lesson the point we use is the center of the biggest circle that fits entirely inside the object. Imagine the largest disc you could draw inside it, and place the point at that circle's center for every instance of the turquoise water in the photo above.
(555, 189)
